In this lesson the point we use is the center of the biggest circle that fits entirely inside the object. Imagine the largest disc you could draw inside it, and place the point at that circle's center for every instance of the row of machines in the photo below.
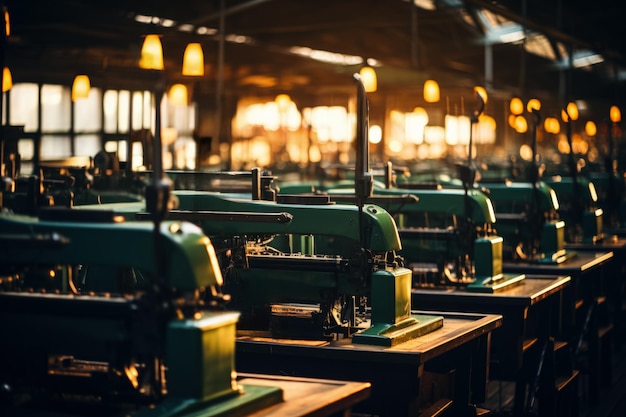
(327, 279)
(144, 307)
(528, 265)
(103, 316)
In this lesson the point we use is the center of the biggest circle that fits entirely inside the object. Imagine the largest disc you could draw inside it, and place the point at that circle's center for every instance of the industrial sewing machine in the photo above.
(448, 237)
(578, 208)
(528, 221)
(101, 316)
(528, 212)
(578, 199)
(68, 183)
(304, 267)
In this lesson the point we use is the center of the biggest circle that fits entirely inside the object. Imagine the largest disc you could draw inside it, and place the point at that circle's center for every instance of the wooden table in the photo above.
(260, 396)
(308, 397)
(531, 312)
(581, 322)
(453, 359)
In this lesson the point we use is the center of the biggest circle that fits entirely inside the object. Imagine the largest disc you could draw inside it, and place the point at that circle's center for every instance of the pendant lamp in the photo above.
(7, 80)
(193, 60)
(151, 53)
(80, 87)
(368, 76)
(431, 91)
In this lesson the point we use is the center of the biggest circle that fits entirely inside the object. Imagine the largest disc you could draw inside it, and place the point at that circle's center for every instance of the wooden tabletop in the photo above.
(457, 329)
(611, 243)
(582, 262)
(527, 292)
(308, 396)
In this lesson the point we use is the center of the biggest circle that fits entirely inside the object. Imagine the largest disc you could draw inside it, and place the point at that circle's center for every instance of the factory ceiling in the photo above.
(310, 48)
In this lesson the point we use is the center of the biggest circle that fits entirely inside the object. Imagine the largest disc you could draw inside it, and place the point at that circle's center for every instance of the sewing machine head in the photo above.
(98, 312)
(305, 267)
(448, 238)
(579, 209)
(529, 222)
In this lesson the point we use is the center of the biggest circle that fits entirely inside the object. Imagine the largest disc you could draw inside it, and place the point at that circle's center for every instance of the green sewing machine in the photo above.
(578, 207)
(578, 199)
(529, 222)
(448, 236)
(304, 267)
(105, 317)
(528, 212)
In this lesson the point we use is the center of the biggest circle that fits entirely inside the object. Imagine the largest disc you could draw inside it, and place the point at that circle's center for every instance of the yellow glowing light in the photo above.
(178, 95)
(526, 152)
(533, 104)
(282, 101)
(615, 114)
(591, 128)
(151, 53)
(7, 23)
(193, 60)
(482, 92)
(375, 134)
(421, 115)
(572, 110)
(552, 125)
(369, 78)
(511, 120)
(521, 125)
(563, 146)
(7, 80)
(431, 91)
(516, 106)
(80, 87)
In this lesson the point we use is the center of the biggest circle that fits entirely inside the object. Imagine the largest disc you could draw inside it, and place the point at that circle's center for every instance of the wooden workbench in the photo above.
(452, 358)
(584, 299)
(259, 396)
(308, 397)
(531, 311)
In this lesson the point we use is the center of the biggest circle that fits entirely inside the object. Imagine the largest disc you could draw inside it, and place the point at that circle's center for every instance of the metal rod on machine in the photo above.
(468, 174)
(534, 173)
(363, 182)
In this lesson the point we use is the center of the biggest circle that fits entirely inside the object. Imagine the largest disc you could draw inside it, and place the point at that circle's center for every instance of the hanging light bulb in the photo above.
(552, 125)
(151, 53)
(7, 80)
(533, 104)
(193, 60)
(480, 90)
(521, 124)
(282, 101)
(368, 76)
(615, 114)
(590, 128)
(178, 95)
(516, 106)
(7, 23)
(80, 87)
(431, 91)
(572, 110)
